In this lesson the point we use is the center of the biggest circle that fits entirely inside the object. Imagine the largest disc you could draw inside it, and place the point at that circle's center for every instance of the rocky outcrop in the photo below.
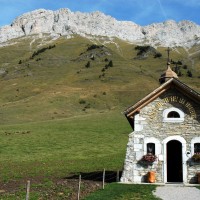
(63, 22)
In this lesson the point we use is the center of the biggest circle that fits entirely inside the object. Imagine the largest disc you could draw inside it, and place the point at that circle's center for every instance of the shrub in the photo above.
(110, 64)
(185, 66)
(82, 101)
(142, 49)
(189, 73)
(39, 51)
(179, 73)
(88, 64)
(157, 55)
(179, 62)
(94, 46)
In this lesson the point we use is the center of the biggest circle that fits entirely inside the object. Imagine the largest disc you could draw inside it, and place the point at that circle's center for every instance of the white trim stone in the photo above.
(173, 120)
(184, 156)
(193, 141)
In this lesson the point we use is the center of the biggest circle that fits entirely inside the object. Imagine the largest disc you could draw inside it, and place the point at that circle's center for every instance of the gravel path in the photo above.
(177, 193)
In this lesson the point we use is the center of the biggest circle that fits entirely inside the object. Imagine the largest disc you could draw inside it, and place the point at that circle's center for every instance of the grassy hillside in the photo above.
(61, 102)
(39, 83)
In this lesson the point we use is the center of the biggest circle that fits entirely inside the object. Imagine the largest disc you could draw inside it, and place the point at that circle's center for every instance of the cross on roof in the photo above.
(168, 50)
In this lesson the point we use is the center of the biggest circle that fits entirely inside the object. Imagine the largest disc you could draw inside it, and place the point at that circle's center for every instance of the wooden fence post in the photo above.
(104, 172)
(117, 178)
(79, 187)
(28, 190)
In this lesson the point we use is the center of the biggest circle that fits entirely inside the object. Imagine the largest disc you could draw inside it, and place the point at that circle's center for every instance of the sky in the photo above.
(142, 12)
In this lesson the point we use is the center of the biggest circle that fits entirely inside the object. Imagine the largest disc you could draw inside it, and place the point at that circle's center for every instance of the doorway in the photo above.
(174, 161)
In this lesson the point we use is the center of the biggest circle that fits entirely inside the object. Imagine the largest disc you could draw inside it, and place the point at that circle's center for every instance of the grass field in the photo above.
(59, 117)
(117, 191)
(61, 147)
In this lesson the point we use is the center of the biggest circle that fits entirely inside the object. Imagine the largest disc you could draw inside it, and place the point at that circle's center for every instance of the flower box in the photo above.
(196, 157)
(149, 158)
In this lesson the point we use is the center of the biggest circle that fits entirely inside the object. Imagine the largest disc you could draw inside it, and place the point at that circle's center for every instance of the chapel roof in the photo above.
(171, 83)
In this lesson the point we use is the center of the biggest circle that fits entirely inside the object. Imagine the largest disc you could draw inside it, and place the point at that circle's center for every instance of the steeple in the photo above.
(169, 73)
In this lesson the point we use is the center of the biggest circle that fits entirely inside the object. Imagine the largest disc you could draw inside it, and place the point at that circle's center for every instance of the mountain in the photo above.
(63, 22)
(62, 64)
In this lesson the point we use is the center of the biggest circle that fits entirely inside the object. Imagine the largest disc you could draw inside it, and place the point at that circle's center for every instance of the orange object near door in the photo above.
(198, 176)
(151, 177)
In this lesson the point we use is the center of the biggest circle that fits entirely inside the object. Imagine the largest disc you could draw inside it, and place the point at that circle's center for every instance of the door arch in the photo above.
(180, 141)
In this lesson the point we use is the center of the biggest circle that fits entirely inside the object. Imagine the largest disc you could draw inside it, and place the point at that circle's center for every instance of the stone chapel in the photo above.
(166, 134)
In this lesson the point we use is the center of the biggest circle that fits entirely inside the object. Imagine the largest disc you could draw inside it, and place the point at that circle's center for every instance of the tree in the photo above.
(185, 66)
(189, 73)
(179, 73)
(110, 64)
(88, 64)
(158, 55)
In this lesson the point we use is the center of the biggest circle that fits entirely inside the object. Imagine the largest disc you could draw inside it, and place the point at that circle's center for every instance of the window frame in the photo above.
(155, 141)
(153, 149)
(173, 119)
(198, 144)
(194, 141)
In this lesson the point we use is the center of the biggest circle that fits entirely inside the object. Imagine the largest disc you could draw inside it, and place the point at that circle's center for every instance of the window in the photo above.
(151, 148)
(196, 147)
(152, 145)
(173, 115)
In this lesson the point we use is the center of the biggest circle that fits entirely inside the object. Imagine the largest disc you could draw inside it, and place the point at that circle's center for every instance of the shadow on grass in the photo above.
(110, 176)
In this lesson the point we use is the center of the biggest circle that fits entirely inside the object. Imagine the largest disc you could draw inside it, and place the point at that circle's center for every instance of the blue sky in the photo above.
(142, 12)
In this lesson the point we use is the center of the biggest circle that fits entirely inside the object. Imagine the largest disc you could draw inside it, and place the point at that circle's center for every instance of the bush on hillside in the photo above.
(157, 55)
(88, 64)
(189, 73)
(142, 49)
(39, 51)
(94, 46)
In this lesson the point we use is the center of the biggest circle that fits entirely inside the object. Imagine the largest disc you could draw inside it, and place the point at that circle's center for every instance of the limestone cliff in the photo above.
(63, 22)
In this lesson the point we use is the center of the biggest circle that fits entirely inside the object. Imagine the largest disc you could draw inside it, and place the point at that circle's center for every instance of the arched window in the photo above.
(173, 115)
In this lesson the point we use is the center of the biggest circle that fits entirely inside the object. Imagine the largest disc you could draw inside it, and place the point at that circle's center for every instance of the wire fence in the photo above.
(101, 177)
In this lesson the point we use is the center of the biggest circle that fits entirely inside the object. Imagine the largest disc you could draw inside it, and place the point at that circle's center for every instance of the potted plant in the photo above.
(149, 158)
(196, 157)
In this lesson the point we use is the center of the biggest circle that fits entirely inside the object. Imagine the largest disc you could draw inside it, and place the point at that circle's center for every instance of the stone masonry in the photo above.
(150, 125)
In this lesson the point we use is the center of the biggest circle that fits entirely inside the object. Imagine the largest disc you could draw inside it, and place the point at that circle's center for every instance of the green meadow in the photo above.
(64, 146)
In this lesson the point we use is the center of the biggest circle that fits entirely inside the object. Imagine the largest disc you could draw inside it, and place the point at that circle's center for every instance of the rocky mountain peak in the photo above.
(64, 22)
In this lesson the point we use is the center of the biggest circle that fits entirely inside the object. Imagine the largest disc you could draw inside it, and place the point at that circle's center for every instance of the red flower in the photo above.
(149, 157)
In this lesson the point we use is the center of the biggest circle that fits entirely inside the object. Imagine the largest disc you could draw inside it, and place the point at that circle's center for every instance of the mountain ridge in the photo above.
(64, 22)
